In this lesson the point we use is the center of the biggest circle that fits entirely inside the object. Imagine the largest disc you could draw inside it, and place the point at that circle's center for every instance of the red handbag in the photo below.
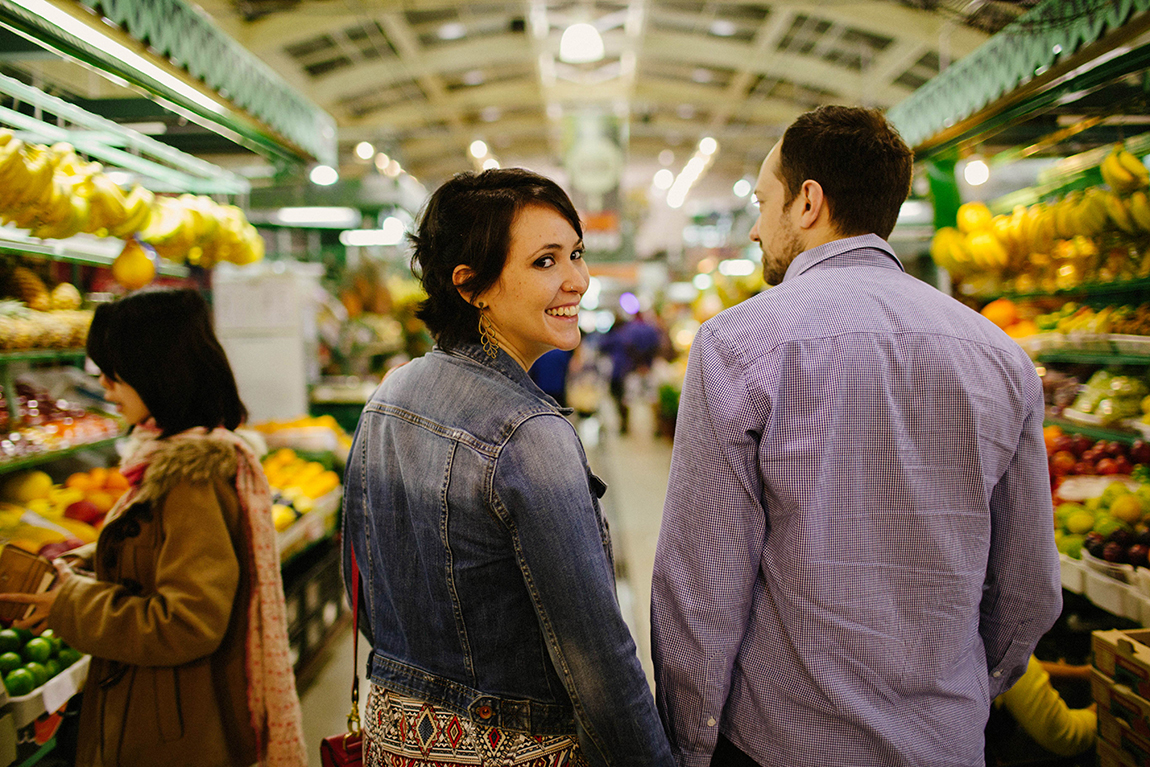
(346, 749)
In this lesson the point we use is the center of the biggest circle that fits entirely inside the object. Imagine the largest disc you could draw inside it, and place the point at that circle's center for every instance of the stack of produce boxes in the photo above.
(1120, 681)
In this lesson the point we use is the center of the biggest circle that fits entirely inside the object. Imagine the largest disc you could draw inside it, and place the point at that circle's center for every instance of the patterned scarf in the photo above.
(272, 698)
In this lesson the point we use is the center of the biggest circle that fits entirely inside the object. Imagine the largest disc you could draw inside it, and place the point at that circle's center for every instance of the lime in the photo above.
(9, 661)
(38, 671)
(55, 641)
(53, 667)
(19, 682)
(37, 649)
(9, 641)
(24, 635)
(68, 656)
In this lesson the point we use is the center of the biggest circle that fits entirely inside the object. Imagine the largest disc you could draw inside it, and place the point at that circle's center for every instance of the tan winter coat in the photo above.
(165, 621)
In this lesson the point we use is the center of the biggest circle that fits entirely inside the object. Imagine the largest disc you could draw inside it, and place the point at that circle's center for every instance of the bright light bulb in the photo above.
(324, 175)
(381, 162)
(490, 163)
(976, 173)
(364, 150)
(742, 188)
(478, 149)
(580, 44)
(708, 145)
(663, 179)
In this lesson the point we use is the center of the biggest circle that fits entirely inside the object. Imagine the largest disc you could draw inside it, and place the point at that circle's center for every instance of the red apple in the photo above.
(1107, 466)
(1136, 554)
(1065, 442)
(1085, 468)
(1140, 451)
(1124, 465)
(84, 511)
(1115, 449)
(1062, 462)
(1082, 443)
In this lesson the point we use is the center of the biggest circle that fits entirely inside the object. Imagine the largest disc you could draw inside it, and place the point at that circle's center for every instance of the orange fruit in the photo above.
(1050, 435)
(116, 480)
(80, 480)
(99, 477)
(101, 500)
(1002, 312)
(1022, 329)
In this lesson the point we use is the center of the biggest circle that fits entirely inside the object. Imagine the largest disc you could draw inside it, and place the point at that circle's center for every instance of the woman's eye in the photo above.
(576, 255)
(545, 262)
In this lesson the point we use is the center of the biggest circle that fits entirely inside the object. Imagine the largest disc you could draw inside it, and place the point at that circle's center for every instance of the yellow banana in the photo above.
(1064, 224)
(1092, 212)
(1118, 213)
(5, 136)
(1133, 165)
(1116, 175)
(1139, 207)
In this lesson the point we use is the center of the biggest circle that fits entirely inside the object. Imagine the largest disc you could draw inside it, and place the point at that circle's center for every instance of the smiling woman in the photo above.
(487, 568)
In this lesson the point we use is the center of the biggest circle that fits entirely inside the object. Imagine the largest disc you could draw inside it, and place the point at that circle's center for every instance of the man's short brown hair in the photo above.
(858, 158)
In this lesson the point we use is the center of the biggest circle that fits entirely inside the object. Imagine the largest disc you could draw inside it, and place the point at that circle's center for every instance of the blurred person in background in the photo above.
(856, 554)
(184, 617)
(486, 562)
(631, 344)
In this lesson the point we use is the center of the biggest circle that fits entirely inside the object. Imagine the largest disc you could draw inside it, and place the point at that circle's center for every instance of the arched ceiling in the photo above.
(421, 79)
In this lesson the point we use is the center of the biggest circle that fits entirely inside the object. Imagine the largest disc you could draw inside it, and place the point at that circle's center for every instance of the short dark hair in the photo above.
(858, 158)
(468, 221)
(161, 343)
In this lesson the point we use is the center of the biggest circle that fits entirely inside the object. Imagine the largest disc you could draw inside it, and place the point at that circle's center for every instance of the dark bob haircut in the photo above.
(468, 221)
(161, 343)
(859, 160)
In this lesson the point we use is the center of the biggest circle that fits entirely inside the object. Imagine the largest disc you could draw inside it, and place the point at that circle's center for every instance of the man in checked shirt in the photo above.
(856, 553)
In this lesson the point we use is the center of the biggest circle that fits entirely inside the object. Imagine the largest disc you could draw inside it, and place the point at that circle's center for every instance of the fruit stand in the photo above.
(1062, 265)
(90, 209)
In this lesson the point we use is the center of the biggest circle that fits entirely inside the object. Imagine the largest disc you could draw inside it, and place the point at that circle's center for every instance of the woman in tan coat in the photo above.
(184, 616)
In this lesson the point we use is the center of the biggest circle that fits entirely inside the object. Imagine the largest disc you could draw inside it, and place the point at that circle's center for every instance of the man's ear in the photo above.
(814, 203)
(460, 275)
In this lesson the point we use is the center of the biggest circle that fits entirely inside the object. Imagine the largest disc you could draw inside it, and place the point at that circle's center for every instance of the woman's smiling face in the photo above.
(534, 306)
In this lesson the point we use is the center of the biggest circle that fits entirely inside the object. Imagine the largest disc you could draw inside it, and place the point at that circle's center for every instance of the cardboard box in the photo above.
(1122, 703)
(1132, 748)
(1124, 657)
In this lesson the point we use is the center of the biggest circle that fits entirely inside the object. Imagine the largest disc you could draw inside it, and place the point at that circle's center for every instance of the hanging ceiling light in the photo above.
(581, 44)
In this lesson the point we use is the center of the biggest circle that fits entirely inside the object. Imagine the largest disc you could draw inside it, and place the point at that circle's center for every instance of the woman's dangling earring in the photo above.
(486, 336)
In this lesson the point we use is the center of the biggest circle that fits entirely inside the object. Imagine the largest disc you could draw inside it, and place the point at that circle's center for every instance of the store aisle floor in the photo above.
(635, 468)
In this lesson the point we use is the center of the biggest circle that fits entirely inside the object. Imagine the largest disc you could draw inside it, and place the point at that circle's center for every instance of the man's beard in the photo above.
(774, 269)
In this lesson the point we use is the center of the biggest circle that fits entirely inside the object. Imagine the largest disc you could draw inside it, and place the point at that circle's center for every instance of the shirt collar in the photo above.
(504, 364)
(810, 258)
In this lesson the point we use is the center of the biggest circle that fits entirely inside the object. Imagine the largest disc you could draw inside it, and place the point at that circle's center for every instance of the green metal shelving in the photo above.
(27, 461)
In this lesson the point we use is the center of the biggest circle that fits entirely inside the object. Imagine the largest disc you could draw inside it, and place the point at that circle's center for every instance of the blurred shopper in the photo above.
(632, 344)
(856, 553)
(550, 374)
(1037, 708)
(184, 617)
(486, 564)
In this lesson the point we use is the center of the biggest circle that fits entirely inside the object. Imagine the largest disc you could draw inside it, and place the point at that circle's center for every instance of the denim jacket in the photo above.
(488, 580)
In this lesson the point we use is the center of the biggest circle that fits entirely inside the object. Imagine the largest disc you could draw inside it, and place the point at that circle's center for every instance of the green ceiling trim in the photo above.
(1045, 37)
(270, 116)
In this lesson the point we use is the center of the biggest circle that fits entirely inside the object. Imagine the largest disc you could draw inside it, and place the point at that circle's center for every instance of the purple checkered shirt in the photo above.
(856, 552)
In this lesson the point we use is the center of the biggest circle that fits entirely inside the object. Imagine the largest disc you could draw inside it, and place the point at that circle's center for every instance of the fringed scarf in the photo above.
(272, 698)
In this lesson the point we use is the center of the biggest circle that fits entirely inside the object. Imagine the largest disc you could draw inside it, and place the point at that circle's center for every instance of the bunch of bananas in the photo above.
(200, 231)
(55, 194)
(1123, 172)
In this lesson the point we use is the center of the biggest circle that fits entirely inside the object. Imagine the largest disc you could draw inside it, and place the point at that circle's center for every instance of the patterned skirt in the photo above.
(401, 731)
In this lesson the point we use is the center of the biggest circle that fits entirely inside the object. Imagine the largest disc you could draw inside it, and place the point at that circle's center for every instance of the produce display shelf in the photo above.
(43, 355)
(49, 696)
(311, 528)
(1074, 357)
(1140, 285)
(1126, 600)
(1094, 432)
(81, 249)
(53, 455)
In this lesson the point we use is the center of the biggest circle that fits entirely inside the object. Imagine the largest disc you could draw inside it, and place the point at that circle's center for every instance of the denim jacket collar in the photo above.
(504, 364)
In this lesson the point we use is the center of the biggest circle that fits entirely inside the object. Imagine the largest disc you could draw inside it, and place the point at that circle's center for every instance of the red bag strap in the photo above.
(353, 717)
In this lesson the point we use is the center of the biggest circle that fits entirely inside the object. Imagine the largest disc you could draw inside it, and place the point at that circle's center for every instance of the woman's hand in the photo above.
(42, 603)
